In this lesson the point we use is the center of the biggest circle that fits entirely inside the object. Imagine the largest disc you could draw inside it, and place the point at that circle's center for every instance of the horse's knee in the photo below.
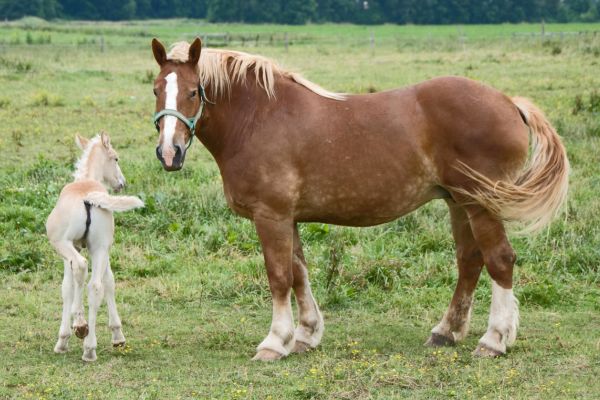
(499, 263)
(79, 268)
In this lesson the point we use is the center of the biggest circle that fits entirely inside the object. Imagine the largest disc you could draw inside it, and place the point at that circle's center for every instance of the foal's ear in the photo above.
(81, 141)
(194, 52)
(160, 54)
(105, 140)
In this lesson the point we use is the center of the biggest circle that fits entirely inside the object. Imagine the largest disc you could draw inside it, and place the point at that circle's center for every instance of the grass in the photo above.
(191, 285)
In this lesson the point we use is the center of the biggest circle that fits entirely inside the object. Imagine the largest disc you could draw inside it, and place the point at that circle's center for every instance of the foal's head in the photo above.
(99, 161)
(177, 90)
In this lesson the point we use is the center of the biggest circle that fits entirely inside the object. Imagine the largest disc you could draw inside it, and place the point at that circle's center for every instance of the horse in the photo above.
(290, 151)
(83, 216)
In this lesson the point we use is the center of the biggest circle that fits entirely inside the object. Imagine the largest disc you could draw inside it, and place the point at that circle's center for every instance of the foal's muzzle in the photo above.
(178, 160)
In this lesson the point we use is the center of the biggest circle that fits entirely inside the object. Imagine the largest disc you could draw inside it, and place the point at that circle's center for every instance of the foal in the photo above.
(83, 217)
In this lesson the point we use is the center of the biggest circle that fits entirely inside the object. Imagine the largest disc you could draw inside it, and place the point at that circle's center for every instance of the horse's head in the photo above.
(179, 102)
(101, 161)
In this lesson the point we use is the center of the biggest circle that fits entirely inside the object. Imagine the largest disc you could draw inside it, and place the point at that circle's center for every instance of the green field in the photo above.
(191, 286)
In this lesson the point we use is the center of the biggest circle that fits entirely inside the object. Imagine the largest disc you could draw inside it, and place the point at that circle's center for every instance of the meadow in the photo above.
(191, 286)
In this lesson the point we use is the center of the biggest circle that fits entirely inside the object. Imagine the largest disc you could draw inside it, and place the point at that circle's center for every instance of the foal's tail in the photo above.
(539, 192)
(113, 203)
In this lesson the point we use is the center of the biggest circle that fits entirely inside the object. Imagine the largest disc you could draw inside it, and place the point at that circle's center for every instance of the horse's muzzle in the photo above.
(178, 160)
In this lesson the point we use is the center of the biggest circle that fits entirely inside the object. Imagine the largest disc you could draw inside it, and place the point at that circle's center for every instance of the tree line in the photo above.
(303, 11)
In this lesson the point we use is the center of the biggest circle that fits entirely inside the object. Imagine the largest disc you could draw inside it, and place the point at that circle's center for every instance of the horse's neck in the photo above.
(229, 121)
(88, 170)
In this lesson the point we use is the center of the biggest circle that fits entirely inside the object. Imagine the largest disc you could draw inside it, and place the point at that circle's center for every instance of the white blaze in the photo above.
(170, 103)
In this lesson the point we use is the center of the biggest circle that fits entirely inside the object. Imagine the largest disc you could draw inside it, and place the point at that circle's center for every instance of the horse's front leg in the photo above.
(276, 238)
(310, 321)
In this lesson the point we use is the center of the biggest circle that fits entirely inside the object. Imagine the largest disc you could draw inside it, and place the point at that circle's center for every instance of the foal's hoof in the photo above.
(120, 343)
(81, 331)
(437, 340)
(301, 347)
(267, 355)
(89, 355)
(60, 348)
(484, 351)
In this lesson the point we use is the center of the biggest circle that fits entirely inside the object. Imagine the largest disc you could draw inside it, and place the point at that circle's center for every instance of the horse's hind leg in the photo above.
(455, 323)
(78, 267)
(310, 322)
(114, 322)
(499, 259)
(67, 295)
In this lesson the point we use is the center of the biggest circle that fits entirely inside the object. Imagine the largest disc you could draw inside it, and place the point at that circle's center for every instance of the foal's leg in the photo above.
(310, 322)
(276, 238)
(499, 259)
(67, 295)
(455, 323)
(95, 295)
(79, 270)
(114, 322)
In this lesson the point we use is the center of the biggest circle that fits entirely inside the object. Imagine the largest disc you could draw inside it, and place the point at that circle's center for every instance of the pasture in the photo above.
(191, 286)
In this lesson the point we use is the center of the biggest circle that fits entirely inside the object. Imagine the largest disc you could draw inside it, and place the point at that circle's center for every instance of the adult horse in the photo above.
(290, 151)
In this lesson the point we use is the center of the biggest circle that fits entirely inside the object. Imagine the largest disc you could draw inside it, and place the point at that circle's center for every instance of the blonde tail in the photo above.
(113, 203)
(540, 191)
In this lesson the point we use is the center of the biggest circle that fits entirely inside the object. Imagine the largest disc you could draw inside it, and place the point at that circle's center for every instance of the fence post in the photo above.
(285, 39)
(372, 42)
(102, 44)
(543, 32)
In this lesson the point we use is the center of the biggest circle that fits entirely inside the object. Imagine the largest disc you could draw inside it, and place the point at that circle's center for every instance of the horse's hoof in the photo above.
(484, 351)
(119, 344)
(301, 347)
(89, 355)
(81, 331)
(60, 349)
(267, 355)
(437, 340)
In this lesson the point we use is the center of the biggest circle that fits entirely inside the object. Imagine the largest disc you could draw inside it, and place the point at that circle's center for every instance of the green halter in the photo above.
(189, 122)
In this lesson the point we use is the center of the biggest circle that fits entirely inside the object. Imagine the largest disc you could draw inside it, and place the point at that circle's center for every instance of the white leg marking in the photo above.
(281, 335)
(170, 103)
(445, 328)
(310, 321)
(503, 321)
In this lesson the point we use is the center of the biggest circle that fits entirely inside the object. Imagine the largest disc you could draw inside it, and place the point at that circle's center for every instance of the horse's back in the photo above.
(67, 219)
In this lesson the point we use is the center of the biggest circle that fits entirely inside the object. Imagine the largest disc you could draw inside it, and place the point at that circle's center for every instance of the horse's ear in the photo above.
(105, 140)
(160, 54)
(194, 52)
(81, 141)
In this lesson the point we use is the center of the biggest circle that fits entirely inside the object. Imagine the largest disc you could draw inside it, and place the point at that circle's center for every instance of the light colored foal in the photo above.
(83, 216)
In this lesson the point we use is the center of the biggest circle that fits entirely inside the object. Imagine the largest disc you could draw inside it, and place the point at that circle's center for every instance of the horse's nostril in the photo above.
(159, 153)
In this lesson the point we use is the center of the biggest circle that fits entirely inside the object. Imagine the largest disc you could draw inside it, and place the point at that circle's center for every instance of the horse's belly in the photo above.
(355, 208)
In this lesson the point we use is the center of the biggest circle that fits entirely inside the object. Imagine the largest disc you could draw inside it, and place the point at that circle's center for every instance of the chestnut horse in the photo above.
(290, 151)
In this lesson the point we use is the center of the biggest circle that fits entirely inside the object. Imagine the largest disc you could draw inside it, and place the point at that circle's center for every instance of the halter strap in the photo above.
(189, 122)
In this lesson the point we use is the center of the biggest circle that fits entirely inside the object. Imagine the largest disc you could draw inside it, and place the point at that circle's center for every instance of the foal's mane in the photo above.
(81, 166)
(219, 68)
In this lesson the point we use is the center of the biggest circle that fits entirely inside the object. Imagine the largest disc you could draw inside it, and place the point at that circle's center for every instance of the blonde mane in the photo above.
(81, 166)
(219, 68)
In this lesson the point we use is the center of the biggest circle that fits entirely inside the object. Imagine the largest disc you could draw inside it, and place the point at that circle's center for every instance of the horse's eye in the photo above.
(155, 92)
(117, 159)
(193, 93)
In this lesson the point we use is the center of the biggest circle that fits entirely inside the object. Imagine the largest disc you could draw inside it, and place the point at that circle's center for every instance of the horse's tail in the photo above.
(539, 192)
(113, 203)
